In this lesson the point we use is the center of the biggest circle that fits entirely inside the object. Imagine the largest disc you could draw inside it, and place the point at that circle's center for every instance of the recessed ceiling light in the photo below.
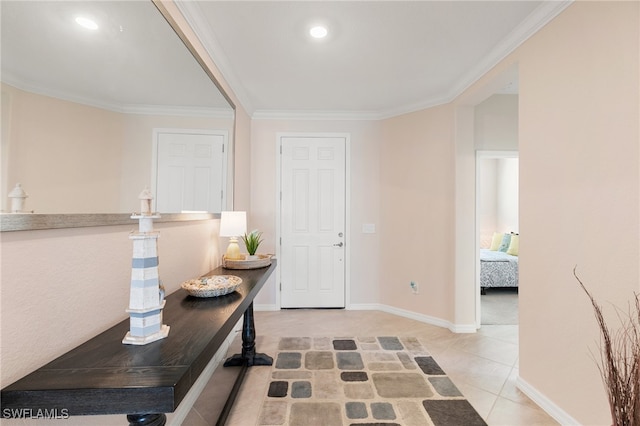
(86, 23)
(318, 32)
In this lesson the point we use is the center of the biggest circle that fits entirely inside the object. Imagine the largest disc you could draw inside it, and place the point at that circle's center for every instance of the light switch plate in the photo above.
(368, 228)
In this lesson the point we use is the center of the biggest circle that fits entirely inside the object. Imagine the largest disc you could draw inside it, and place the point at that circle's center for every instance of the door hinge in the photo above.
(280, 286)
(280, 240)
(280, 149)
(222, 194)
(223, 149)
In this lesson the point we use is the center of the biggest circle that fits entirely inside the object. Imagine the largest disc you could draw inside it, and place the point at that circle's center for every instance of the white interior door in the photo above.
(191, 171)
(312, 228)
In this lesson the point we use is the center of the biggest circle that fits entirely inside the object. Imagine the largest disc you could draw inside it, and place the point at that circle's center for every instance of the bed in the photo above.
(498, 269)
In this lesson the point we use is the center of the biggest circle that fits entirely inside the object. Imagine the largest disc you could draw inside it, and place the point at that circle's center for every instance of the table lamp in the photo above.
(233, 225)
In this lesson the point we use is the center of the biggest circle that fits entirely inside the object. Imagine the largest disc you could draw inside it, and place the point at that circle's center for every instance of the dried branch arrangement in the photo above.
(620, 361)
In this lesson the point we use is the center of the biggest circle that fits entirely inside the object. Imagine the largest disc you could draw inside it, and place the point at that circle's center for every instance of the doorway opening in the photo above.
(497, 236)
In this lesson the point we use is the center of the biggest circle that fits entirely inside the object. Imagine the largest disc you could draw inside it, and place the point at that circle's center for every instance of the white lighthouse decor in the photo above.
(146, 299)
(17, 196)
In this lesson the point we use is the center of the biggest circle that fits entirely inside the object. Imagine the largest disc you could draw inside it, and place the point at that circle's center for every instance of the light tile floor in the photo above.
(484, 365)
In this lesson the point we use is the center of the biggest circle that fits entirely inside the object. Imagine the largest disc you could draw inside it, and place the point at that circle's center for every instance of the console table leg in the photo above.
(248, 356)
(155, 419)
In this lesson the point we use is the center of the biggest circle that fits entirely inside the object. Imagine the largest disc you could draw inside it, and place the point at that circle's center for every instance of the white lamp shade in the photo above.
(233, 224)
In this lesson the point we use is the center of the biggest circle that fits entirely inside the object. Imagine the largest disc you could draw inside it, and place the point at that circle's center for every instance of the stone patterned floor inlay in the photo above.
(356, 410)
(354, 376)
(402, 385)
(382, 411)
(294, 343)
(288, 360)
(361, 381)
(278, 389)
(315, 413)
(344, 345)
(390, 343)
(301, 390)
(318, 360)
(429, 366)
(450, 412)
(349, 361)
(444, 386)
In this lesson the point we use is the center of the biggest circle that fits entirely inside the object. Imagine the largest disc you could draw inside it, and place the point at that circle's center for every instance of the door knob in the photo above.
(338, 245)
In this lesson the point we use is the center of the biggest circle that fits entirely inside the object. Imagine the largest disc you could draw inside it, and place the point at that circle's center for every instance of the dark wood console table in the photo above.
(104, 376)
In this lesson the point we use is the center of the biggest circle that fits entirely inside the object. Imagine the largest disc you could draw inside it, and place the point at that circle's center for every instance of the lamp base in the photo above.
(233, 250)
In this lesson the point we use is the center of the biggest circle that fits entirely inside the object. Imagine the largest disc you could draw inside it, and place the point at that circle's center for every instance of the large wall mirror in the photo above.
(82, 108)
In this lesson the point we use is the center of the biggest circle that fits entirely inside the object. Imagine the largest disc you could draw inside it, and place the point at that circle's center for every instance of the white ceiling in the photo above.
(381, 58)
(134, 62)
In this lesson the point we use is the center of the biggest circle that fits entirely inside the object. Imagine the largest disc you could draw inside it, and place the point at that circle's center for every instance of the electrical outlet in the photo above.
(414, 287)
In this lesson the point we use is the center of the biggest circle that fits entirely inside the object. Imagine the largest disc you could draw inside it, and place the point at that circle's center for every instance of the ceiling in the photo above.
(133, 62)
(381, 58)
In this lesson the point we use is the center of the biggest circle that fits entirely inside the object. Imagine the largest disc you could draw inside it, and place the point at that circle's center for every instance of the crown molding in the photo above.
(194, 16)
(179, 111)
(537, 19)
(173, 110)
(315, 115)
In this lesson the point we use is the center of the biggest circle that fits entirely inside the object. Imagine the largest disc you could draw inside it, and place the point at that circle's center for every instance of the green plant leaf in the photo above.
(252, 241)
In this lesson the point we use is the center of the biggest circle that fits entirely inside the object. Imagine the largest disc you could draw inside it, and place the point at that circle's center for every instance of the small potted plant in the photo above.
(251, 242)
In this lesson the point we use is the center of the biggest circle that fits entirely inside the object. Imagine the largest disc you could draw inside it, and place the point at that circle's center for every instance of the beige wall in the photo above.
(579, 189)
(61, 163)
(416, 211)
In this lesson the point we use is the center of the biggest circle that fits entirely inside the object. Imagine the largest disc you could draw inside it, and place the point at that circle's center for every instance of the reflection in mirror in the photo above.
(82, 109)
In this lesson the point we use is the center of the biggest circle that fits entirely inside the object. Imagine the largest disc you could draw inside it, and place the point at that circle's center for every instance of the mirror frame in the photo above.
(34, 221)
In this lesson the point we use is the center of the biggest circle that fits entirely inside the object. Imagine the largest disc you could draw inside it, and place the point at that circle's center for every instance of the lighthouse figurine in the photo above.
(146, 298)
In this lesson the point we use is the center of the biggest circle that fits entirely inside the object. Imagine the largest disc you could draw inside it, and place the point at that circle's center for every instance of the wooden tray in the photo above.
(261, 261)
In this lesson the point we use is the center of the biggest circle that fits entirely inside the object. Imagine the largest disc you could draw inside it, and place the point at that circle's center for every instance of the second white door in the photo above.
(312, 228)
(190, 171)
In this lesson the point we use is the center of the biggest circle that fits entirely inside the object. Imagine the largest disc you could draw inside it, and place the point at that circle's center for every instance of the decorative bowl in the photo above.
(214, 286)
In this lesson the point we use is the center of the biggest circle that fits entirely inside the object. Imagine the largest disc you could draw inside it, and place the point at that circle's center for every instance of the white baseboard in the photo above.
(546, 404)
(455, 328)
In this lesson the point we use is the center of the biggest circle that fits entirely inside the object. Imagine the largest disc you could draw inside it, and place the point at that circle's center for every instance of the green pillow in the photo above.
(504, 245)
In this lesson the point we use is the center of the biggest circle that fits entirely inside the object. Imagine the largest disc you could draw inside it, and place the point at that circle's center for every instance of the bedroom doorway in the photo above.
(497, 239)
